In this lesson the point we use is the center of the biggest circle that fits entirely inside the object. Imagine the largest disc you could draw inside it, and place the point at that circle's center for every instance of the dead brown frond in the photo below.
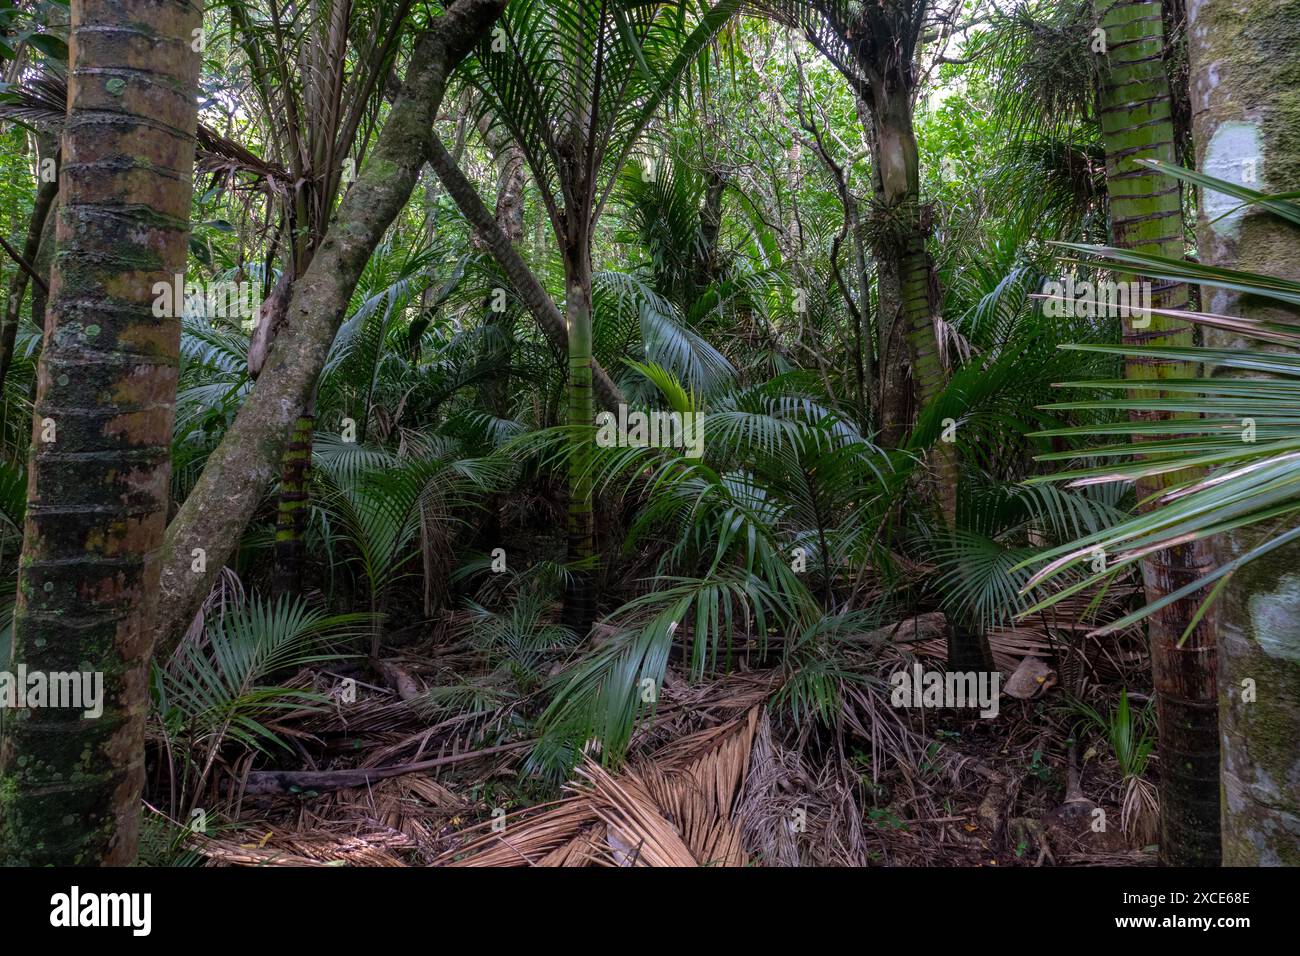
(677, 808)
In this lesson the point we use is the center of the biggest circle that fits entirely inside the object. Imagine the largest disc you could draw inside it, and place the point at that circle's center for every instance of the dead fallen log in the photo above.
(266, 783)
(913, 630)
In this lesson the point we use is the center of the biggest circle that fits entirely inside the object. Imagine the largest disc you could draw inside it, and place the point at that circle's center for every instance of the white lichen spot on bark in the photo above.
(1273, 615)
(1235, 147)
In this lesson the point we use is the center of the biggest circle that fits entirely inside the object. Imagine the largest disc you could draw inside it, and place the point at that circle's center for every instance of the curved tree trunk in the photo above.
(247, 460)
(1146, 215)
(70, 784)
(1243, 60)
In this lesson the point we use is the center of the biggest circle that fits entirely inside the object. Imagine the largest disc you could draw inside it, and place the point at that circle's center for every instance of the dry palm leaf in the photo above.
(676, 809)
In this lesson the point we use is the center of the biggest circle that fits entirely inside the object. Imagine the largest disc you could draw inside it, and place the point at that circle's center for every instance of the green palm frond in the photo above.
(1242, 432)
(216, 689)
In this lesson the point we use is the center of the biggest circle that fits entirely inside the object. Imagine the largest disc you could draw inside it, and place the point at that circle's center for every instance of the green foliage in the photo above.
(1131, 734)
(214, 690)
(1240, 430)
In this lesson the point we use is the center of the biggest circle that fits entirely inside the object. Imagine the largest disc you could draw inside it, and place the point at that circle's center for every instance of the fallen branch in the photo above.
(913, 630)
(263, 783)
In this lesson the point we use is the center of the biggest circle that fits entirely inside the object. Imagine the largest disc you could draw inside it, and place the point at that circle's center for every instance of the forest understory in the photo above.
(837, 433)
(723, 773)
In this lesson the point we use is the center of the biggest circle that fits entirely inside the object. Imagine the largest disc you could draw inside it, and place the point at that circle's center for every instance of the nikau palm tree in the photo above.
(1135, 113)
(70, 784)
(575, 85)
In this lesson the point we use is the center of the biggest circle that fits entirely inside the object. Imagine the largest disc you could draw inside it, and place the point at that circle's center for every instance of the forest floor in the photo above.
(721, 774)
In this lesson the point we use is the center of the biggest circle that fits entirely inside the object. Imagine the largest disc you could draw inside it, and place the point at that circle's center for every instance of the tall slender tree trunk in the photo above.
(1146, 213)
(899, 158)
(245, 463)
(70, 780)
(875, 46)
(579, 599)
(498, 335)
(1245, 73)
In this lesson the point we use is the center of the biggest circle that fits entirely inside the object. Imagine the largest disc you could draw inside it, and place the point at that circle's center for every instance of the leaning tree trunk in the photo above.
(101, 442)
(1245, 74)
(45, 194)
(1134, 110)
(527, 286)
(246, 462)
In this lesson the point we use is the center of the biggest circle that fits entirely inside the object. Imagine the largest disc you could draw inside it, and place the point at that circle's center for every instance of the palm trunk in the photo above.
(899, 159)
(100, 460)
(1146, 215)
(874, 45)
(246, 462)
(579, 597)
(294, 505)
(1247, 131)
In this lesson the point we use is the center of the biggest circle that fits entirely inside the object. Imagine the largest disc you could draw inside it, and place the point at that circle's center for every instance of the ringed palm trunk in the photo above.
(1146, 216)
(579, 599)
(293, 507)
(1247, 130)
(100, 457)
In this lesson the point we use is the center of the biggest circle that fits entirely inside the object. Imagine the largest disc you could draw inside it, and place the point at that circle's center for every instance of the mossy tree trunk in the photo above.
(1146, 215)
(246, 462)
(293, 507)
(101, 441)
(1245, 74)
